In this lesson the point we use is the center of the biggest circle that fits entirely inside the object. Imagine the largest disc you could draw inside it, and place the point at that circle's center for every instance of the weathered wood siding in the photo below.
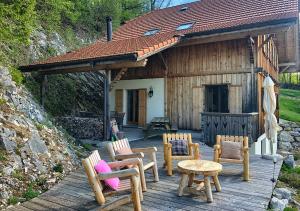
(188, 69)
(186, 96)
(212, 58)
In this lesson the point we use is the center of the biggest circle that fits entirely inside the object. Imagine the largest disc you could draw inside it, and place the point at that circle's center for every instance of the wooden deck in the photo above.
(74, 193)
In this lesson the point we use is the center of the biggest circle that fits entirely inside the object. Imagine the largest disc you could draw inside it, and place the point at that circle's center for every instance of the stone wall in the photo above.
(289, 136)
(82, 127)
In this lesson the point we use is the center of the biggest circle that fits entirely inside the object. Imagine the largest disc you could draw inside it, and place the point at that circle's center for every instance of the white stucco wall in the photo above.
(155, 104)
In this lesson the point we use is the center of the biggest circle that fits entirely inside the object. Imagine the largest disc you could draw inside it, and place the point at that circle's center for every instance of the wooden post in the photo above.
(106, 119)
(43, 86)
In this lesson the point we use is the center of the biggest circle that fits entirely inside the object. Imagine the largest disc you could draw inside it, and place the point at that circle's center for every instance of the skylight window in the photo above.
(184, 26)
(182, 9)
(151, 32)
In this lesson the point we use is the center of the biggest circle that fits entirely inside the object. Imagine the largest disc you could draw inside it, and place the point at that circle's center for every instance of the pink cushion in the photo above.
(103, 167)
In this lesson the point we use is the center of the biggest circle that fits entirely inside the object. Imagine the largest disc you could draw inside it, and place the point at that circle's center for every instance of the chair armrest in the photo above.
(122, 163)
(245, 149)
(217, 147)
(168, 145)
(120, 173)
(127, 156)
(145, 150)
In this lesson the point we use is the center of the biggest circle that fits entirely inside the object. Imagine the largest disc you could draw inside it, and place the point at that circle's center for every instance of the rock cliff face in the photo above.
(34, 154)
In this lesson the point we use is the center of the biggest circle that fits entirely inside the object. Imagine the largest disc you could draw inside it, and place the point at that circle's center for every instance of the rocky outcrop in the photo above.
(33, 152)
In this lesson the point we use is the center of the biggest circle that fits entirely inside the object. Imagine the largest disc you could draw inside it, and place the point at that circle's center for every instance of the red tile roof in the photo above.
(208, 15)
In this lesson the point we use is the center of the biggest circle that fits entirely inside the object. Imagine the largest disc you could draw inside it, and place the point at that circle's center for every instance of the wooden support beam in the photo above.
(43, 88)
(118, 77)
(265, 42)
(236, 34)
(106, 116)
(163, 60)
(93, 67)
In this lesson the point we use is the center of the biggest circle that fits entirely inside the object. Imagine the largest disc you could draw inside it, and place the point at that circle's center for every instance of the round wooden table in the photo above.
(190, 168)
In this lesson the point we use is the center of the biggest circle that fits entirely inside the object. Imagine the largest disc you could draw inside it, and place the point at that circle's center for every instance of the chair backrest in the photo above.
(117, 145)
(243, 139)
(178, 136)
(89, 164)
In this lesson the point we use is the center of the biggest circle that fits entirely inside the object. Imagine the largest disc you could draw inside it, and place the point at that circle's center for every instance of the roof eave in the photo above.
(90, 61)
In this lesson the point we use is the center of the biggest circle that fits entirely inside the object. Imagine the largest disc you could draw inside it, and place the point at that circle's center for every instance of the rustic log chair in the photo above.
(113, 147)
(129, 180)
(193, 150)
(245, 152)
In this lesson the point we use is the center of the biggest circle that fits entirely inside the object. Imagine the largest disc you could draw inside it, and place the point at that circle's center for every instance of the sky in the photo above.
(177, 2)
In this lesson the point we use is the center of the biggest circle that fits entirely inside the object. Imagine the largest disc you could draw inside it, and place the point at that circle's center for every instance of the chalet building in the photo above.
(201, 64)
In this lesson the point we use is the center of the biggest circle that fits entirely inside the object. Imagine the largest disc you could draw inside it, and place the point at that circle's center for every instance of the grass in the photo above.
(18, 175)
(289, 104)
(290, 176)
(13, 200)
(30, 193)
(3, 155)
(16, 75)
(2, 101)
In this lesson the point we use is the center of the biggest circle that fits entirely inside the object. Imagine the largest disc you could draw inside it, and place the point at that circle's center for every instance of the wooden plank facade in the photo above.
(189, 70)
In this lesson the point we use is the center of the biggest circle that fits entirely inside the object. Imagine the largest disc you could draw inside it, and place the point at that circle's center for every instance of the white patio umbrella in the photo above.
(269, 104)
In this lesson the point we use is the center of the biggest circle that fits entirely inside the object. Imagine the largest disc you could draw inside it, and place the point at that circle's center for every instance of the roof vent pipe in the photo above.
(109, 28)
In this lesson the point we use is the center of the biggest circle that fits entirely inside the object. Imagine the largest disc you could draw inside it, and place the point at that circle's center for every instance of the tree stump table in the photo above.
(190, 168)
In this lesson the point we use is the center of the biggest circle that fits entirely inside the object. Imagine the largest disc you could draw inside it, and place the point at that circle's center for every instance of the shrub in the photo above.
(2, 101)
(88, 147)
(30, 193)
(13, 200)
(58, 168)
(2, 155)
(16, 75)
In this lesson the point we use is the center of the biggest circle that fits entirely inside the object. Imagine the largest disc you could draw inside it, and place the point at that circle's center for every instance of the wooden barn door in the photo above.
(142, 107)
(119, 100)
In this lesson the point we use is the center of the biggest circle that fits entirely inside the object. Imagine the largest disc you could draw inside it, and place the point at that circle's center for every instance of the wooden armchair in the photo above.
(129, 180)
(244, 155)
(114, 147)
(193, 150)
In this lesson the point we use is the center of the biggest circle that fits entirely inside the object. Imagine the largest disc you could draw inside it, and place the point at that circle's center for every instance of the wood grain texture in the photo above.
(235, 195)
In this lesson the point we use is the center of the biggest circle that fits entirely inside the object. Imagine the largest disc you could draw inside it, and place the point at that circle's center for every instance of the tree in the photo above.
(158, 4)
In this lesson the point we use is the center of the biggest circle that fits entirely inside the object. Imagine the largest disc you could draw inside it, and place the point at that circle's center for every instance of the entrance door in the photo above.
(142, 107)
(136, 107)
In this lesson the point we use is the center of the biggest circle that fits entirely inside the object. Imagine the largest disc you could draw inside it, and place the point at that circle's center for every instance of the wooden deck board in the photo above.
(74, 193)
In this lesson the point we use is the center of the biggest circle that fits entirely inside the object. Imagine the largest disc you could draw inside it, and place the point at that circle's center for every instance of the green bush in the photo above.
(58, 168)
(30, 193)
(16, 75)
